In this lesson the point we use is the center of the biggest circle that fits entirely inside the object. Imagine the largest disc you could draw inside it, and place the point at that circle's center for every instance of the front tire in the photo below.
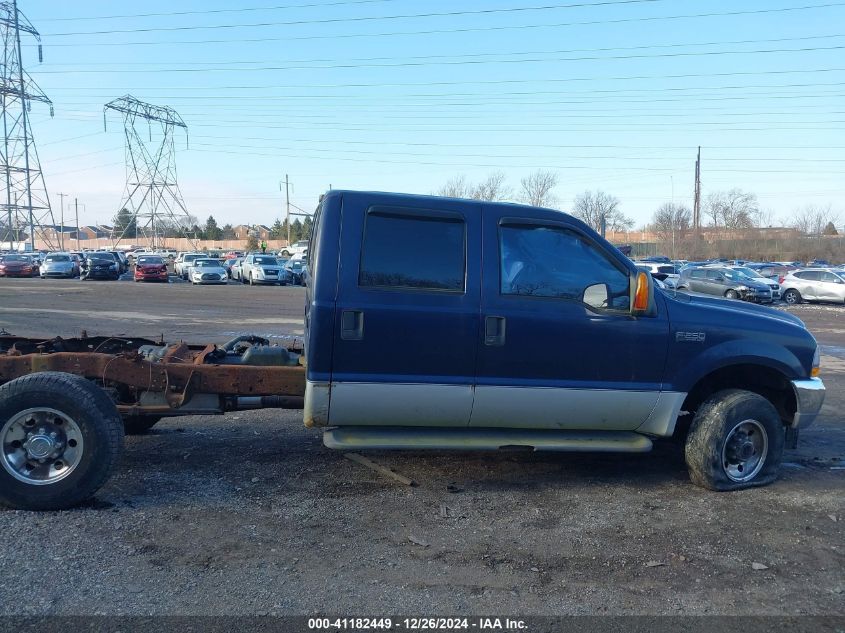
(792, 297)
(735, 441)
(731, 294)
(60, 439)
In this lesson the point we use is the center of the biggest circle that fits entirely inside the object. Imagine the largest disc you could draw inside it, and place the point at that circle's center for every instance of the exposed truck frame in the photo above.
(153, 379)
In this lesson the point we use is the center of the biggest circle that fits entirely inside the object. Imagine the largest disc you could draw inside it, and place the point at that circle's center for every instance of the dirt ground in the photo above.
(248, 513)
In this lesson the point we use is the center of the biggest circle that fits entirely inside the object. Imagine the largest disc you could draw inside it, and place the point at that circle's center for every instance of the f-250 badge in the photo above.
(689, 337)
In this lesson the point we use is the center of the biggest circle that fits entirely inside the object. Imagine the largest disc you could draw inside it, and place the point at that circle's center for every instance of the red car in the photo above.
(16, 266)
(150, 268)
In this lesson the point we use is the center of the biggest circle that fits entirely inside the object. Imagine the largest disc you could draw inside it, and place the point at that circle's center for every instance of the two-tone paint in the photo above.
(379, 357)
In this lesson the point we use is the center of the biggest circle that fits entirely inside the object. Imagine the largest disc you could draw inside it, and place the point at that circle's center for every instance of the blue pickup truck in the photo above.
(442, 324)
(456, 324)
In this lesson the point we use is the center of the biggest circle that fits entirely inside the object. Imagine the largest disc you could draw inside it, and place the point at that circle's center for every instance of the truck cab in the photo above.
(449, 323)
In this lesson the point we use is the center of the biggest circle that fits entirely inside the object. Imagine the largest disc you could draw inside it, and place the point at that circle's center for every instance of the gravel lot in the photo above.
(248, 513)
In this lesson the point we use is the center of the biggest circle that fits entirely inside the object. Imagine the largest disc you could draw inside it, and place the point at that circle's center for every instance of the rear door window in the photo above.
(413, 251)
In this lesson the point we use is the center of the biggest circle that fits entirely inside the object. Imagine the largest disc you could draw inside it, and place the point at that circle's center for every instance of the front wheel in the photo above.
(251, 280)
(731, 294)
(60, 439)
(735, 441)
(792, 297)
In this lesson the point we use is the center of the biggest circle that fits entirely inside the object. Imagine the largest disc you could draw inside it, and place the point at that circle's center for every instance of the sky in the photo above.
(402, 95)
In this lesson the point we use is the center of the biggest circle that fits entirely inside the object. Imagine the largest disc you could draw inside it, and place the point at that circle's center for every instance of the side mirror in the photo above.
(597, 296)
(642, 294)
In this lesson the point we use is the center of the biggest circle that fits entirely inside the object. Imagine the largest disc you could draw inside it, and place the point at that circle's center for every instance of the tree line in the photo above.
(733, 218)
(125, 224)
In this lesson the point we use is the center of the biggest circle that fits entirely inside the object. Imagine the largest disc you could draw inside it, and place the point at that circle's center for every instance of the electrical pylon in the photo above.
(26, 211)
(152, 195)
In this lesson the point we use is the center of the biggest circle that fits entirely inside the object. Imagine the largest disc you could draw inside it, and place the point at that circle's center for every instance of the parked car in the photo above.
(260, 269)
(102, 265)
(150, 268)
(120, 258)
(230, 264)
(13, 265)
(814, 284)
(724, 282)
(58, 265)
(208, 271)
(293, 272)
(297, 248)
(182, 266)
(233, 255)
(755, 275)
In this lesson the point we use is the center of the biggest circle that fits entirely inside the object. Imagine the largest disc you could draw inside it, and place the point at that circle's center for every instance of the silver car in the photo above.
(59, 265)
(814, 284)
(261, 269)
(208, 271)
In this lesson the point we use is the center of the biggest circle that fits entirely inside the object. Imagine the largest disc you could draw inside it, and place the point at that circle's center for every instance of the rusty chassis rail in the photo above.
(151, 378)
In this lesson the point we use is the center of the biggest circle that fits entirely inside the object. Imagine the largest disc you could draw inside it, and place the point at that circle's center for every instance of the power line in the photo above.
(473, 55)
(426, 32)
(474, 62)
(217, 11)
(405, 16)
(490, 82)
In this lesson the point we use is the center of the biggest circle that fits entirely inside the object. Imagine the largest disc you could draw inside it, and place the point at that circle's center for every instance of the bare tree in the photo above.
(457, 187)
(537, 188)
(492, 188)
(734, 209)
(672, 222)
(593, 207)
(813, 219)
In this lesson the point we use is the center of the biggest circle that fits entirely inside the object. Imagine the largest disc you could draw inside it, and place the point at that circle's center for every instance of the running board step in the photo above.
(469, 439)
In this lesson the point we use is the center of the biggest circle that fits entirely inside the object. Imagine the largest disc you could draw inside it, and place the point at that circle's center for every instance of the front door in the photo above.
(406, 317)
(558, 347)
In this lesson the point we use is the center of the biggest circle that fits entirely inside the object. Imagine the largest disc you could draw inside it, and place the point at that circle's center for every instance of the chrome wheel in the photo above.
(744, 451)
(41, 446)
(791, 297)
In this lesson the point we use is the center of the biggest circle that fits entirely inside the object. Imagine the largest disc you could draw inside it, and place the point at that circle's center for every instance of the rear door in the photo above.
(406, 317)
(558, 347)
(809, 283)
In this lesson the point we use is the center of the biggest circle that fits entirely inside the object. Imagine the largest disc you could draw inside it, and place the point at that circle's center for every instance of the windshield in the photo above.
(150, 260)
(101, 258)
(190, 258)
(295, 266)
(207, 263)
(266, 261)
(57, 258)
(748, 272)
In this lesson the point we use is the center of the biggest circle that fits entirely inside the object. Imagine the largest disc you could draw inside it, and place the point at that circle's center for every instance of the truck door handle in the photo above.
(352, 325)
(494, 331)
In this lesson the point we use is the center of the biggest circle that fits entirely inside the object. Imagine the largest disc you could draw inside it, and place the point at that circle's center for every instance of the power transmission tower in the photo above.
(26, 205)
(152, 195)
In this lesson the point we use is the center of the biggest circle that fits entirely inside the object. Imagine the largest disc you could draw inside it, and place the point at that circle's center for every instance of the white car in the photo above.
(208, 271)
(297, 248)
(183, 264)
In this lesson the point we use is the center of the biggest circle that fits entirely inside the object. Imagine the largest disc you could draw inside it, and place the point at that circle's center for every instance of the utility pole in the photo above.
(696, 209)
(76, 208)
(287, 206)
(62, 221)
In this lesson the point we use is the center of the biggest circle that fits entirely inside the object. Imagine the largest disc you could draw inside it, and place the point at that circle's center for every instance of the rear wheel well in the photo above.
(773, 385)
